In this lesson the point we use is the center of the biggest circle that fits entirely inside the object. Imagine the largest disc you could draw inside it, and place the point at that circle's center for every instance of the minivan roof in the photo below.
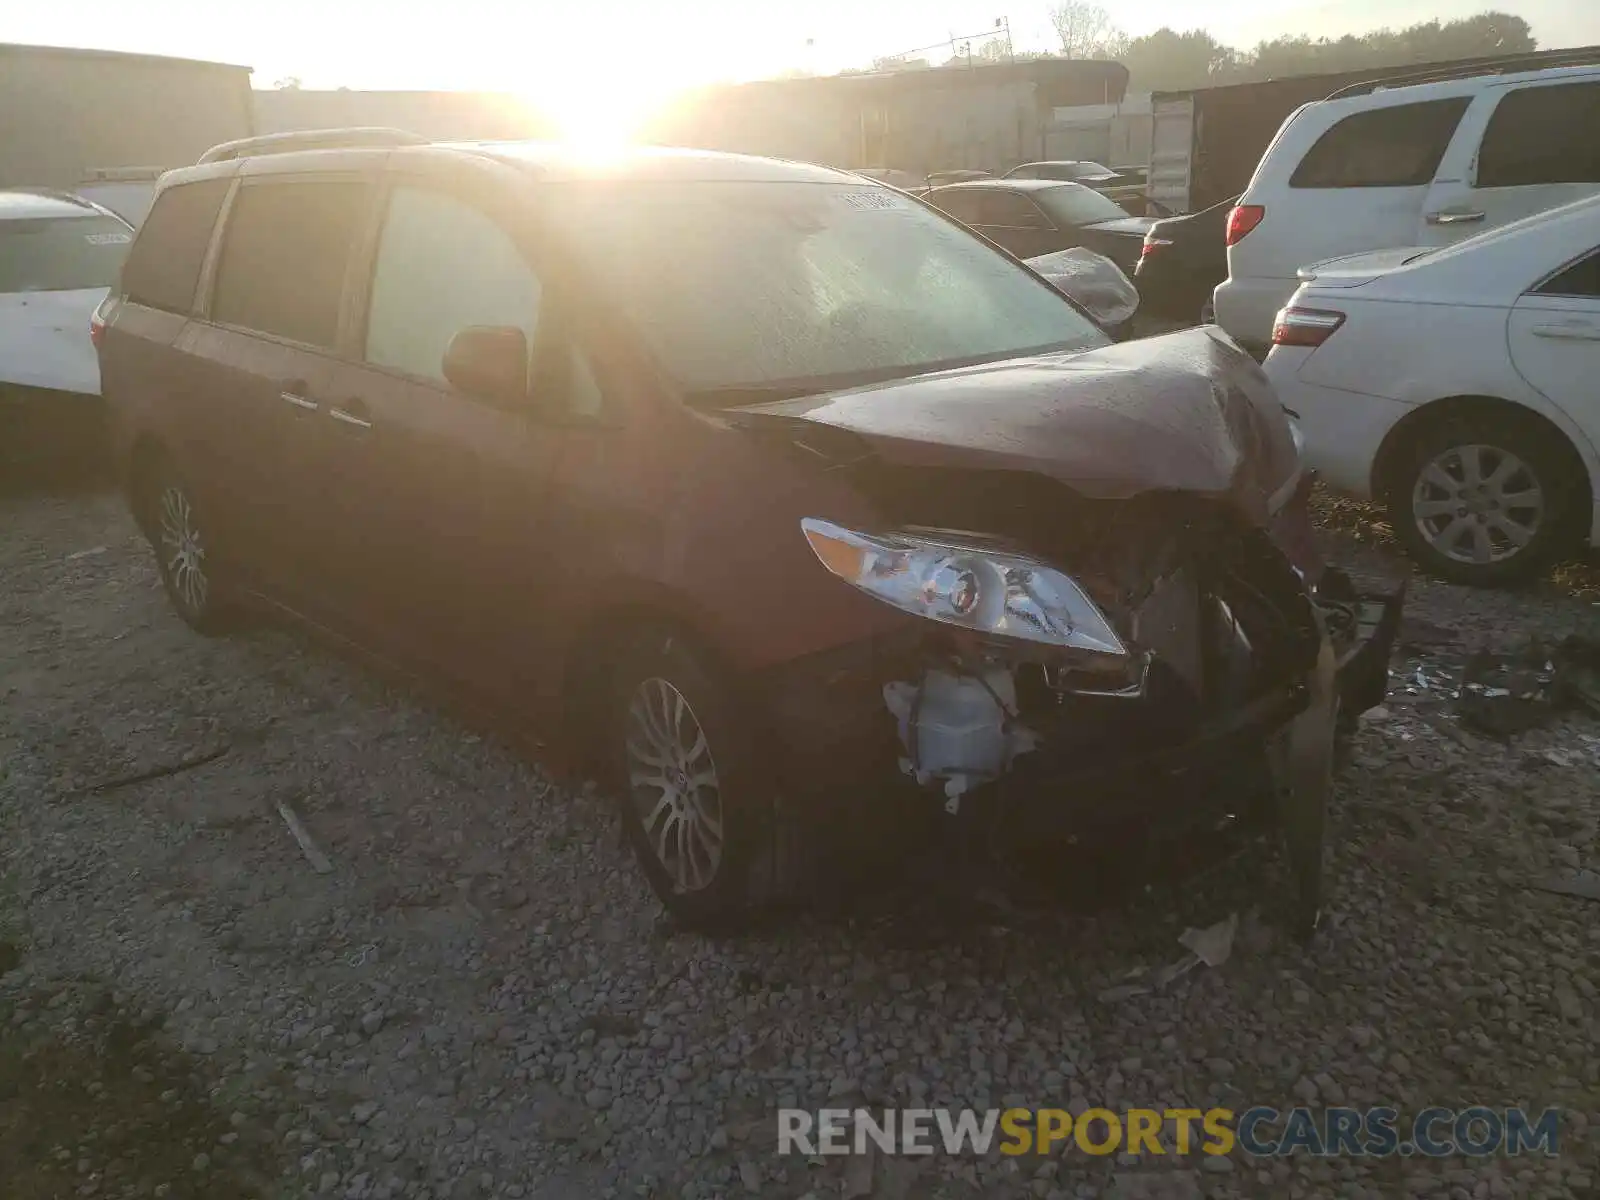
(558, 161)
(554, 161)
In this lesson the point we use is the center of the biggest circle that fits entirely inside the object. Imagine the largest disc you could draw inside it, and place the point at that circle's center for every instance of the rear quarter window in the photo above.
(163, 267)
(1397, 146)
(1543, 135)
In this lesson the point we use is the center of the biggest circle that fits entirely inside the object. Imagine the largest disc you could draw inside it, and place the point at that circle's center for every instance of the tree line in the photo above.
(1169, 60)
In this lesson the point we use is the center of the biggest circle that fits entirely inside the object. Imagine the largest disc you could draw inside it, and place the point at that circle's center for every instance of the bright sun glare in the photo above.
(601, 118)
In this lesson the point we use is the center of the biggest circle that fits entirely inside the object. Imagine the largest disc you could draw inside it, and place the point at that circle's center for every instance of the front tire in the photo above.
(1484, 499)
(177, 533)
(693, 805)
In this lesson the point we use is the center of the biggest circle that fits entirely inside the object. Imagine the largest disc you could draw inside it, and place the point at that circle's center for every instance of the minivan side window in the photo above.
(1400, 146)
(163, 266)
(1543, 135)
(284, 258)
(442, 266)
(1582, 278)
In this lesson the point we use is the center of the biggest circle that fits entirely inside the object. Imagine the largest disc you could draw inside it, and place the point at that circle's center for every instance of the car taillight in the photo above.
(1305, 326)
(97, 322)
(1242, 219)
(1152, 244)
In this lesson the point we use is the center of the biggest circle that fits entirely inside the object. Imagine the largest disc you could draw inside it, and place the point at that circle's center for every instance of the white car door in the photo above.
(1521, 149)
(1358, 187)
(1554, 336)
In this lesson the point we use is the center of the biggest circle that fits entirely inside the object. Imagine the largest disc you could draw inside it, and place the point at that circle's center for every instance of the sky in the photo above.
(618, 54)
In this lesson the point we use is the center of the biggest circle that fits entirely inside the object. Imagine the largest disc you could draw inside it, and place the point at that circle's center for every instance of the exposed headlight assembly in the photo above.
(980, 589)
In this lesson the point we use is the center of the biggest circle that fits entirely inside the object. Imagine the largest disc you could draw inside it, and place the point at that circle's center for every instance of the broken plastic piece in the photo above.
(1213, 944)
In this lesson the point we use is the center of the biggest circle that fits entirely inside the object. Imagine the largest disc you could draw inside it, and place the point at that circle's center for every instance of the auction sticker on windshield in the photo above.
(876, 199)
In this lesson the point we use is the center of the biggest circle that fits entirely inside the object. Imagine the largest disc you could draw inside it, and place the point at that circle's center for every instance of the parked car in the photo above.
(1087, 173)
(1424, 165)
(1030, 217)
(1124, 188)
(1457, 385)
(59, 255)
(774, 496)
(940, 178)
(1182, 261)
(1206, 143)
(906, 181)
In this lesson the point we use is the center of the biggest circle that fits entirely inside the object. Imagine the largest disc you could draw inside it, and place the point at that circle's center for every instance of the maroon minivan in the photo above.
(774, 492)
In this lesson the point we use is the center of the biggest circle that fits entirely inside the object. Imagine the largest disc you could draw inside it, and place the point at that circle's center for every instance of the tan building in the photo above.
(66, 114)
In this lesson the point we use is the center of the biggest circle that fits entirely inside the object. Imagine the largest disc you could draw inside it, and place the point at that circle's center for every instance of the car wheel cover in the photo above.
(183, 551)
(1477, 504)
(673, 782)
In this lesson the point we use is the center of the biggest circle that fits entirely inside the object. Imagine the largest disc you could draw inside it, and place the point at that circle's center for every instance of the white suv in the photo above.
(1419, 165)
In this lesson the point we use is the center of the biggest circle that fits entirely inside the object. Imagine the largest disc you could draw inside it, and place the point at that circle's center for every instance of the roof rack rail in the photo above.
(1542, 60)
(355, 137)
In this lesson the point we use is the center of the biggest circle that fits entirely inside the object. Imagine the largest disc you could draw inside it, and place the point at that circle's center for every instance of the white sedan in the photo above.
(1460, 387)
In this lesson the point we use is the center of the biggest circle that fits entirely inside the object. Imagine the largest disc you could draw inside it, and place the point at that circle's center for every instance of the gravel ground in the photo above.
(480, 998)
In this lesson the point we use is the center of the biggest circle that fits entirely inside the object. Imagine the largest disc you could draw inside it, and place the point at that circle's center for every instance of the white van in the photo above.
(1419, 165)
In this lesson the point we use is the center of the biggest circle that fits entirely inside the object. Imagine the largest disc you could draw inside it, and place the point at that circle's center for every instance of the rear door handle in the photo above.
(1580, 331)
(1453, 218)
(351, 412)
(294, 392)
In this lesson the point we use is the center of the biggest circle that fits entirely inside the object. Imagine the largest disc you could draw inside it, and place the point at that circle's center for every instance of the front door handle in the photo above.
(294, 392)
(352, 413)
(1579, 331)
(1454, 218)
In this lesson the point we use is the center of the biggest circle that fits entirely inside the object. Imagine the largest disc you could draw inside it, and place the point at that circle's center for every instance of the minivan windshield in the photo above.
(1074, 204)
(61, 254)
(768, 287)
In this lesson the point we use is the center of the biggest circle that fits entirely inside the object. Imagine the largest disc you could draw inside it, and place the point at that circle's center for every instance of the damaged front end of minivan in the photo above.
(1121, 616)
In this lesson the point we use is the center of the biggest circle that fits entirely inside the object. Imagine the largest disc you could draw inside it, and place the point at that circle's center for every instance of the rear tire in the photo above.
(1484, 498)
(185, 556)
(694, 805)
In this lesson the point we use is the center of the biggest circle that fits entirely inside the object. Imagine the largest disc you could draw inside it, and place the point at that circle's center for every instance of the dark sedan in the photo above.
(1125, 185)
(1183, 260)
(1030, 217)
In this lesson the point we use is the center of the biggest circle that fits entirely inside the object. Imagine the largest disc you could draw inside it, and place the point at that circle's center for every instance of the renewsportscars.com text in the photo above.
(1259, 1132)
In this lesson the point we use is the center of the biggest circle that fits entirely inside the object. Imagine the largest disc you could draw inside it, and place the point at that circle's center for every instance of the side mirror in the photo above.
(490, 362)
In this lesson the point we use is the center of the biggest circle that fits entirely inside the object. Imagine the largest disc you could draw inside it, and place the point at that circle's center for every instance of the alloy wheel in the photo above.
(1477, 504)
(183, 552)
(673, 784)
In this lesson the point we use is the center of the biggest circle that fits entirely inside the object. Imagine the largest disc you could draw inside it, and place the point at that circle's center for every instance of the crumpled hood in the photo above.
(1188, 412)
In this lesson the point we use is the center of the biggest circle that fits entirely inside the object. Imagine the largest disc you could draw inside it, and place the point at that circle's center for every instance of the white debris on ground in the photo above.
(479, 999)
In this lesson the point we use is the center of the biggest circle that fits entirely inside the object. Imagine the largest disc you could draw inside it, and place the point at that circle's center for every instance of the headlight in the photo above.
(983, 590)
